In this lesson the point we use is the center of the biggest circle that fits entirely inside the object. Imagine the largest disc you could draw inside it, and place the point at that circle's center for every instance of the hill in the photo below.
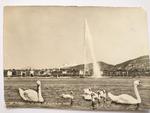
(140, 63)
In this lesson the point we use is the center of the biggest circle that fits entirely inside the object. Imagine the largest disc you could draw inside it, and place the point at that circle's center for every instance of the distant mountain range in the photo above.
(140, 63)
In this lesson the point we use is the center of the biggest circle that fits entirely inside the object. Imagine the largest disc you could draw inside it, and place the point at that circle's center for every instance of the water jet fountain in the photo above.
(88, 41)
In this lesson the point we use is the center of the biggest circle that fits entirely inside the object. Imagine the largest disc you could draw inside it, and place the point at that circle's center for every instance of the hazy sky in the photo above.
(45, 37)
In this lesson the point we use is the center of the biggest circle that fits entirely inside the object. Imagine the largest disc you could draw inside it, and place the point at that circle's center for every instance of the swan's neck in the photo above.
(39, 91)
(137, 94)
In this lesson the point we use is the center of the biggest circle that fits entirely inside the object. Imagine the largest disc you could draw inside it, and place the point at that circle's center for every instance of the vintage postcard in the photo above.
(80, 58)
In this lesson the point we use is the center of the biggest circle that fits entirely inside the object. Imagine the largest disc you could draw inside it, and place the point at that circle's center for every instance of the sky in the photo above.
(46, 37)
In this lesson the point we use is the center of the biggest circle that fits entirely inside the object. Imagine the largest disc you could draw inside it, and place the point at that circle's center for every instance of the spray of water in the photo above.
(96, 68)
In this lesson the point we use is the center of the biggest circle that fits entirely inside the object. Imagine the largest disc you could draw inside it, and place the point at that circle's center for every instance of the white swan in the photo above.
(87, 91)
(98, 95)
(68, 97)
(125, 98)
(87, 97)
(101, 96)
(87, 94)
(32, 95)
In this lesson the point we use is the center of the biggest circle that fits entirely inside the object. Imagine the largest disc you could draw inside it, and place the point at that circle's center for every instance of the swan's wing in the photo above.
(67, 96)
(31, 95)
(126, 99)
(27, 97)
(21, 92)
(87, 91)
(87, 97)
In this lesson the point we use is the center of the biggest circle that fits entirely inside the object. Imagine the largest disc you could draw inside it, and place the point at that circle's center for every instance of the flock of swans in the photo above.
(31, 95)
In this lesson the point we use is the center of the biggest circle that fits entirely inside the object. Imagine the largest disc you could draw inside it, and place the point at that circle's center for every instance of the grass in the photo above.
(53, 88)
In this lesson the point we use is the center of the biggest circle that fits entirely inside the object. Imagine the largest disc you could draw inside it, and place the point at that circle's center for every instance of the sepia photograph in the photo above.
(76, 58)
